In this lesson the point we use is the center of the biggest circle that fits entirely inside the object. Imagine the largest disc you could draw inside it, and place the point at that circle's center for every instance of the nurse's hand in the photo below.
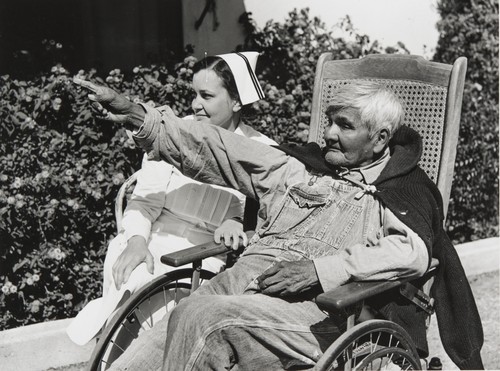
(134, 254)
(108, 105)
(231, 231)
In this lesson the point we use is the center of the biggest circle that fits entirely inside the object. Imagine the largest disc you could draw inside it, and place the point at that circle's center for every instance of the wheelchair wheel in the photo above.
(391, 358)
(371, 345)
(140, 313)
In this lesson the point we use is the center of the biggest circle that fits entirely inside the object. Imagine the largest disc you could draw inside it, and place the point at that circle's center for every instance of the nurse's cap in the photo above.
(242, 66)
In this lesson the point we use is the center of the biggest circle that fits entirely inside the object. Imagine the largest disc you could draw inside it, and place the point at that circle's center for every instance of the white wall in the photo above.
(213, 40)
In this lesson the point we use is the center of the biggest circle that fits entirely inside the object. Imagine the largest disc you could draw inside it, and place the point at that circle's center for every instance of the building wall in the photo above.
(127, 33)
(219, 32)
(106, 34)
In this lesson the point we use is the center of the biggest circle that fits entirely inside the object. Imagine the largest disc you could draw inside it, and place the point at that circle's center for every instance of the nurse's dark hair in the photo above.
(221, 69)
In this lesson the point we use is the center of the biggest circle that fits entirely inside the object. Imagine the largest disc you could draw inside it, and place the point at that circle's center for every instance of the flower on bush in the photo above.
(34, 306)
(17, 183)
(6, 287)
(118, 179)
(56, 104)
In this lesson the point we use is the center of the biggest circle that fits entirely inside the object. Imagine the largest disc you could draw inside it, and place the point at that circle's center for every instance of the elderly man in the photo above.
(358, 209)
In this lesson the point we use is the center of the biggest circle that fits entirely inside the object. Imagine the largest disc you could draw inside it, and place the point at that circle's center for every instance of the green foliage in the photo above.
(470, 28)
(60, 172)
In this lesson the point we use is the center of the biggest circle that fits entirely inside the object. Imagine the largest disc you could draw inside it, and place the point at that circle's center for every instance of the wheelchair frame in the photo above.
(432, 96)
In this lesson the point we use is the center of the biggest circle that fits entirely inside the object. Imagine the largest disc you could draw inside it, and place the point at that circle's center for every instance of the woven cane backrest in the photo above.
(431, 94)
(424, 105)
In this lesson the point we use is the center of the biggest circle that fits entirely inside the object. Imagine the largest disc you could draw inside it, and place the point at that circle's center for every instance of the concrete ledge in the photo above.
(40, 347)
(480, 256)
(45, 345)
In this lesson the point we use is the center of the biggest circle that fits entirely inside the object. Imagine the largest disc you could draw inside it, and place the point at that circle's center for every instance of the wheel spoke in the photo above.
(175, 292)
(145, 319)
(378, 340)
(164, 296)
(150, 312)
(390, 357)
(355, 346)
(116, 345)
(161, 295)
(123, 326)
(103, 361)
(371, 345)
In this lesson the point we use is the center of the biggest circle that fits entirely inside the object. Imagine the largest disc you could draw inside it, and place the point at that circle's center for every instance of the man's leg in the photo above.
(218, 327)
(146, 352)
(219, 332)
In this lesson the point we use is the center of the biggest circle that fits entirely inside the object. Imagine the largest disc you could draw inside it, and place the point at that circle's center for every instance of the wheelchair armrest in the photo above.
(191, 254)
(354, 292)
(199, 252)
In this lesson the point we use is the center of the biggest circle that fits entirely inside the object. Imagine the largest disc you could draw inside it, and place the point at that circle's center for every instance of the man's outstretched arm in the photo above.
(111, 106)
(203, 152)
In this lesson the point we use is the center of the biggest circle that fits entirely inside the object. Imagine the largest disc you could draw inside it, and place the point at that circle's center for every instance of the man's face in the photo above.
(348, 143)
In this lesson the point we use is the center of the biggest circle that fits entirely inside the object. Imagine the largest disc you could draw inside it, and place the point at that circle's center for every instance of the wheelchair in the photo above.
(431, 93)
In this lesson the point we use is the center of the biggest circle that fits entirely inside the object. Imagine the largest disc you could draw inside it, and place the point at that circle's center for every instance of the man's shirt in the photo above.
(378, 247)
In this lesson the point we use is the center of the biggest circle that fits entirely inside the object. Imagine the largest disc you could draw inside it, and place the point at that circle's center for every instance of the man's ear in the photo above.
(236, 106)
(381, 140)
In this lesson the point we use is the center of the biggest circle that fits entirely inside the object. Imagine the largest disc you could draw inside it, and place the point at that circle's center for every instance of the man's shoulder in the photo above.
(412, 196)
(414, 181)
(249, 132)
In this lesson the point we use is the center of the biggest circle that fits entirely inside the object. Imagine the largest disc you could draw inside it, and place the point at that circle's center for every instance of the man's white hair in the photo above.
(378, 106)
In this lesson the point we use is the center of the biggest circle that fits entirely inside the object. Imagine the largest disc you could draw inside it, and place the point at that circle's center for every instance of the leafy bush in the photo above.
(470, 28)
(287, 64)
(60, 174)
(60, 170)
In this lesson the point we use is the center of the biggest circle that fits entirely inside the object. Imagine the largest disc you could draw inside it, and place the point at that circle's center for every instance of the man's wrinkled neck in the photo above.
(369, 173)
